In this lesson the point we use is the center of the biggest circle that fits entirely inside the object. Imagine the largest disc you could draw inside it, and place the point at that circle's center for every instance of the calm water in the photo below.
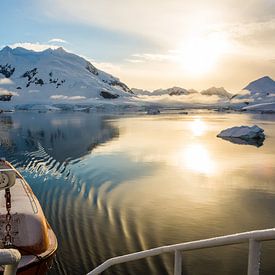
(112, 185)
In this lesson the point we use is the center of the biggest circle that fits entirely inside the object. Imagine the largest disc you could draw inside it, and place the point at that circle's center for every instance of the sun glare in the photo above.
(198, 127)
(197, 159)
(200, 55)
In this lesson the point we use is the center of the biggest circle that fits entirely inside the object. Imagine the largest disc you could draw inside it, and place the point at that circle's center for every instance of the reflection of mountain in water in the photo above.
(59, 137)
(6, 124)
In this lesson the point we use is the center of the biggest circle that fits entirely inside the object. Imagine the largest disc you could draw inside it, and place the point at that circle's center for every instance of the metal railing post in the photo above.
(178, 263)
(10, 269)
(10, 258)
(254, 257)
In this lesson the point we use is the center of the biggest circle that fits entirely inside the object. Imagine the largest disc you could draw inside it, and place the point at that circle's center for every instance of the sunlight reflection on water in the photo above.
(198, 126)
(112, 185)
(198, 159)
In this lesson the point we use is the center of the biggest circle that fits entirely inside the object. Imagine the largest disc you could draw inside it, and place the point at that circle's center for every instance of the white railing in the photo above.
(10, 258)
(253, 237)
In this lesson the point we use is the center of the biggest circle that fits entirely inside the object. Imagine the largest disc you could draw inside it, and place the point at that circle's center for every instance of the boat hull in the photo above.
(30, 231)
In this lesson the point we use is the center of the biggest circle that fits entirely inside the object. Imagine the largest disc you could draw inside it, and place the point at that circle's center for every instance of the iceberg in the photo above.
(253, 135)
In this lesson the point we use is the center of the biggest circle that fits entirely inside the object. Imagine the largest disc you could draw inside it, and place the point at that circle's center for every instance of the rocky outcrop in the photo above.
(108, 95)
(5, 97)
(117, 83)
(91, 68)
(7, 70)
(30, 74)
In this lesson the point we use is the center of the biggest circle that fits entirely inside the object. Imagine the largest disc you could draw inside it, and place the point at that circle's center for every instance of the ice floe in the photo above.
(253, 135)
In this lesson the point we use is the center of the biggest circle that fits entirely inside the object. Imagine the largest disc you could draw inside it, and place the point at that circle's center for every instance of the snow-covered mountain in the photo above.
(220, 92)
(170, 91)
(141, 92)
(264, 85)
(174, 91)
(54, 76)
(178, 91)
(258, 91)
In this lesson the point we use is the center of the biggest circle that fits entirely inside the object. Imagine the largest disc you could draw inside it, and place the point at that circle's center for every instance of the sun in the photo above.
(200, 54)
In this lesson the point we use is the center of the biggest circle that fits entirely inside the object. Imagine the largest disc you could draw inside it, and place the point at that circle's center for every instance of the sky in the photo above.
(151, 44)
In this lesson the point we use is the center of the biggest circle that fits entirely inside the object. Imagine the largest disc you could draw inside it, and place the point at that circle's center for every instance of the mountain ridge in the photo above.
(178, 91)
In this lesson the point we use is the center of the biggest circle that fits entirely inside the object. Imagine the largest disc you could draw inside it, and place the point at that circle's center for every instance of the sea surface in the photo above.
(116, 184)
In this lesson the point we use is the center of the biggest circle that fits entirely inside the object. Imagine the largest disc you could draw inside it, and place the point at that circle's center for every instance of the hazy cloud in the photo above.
(64, 97)
(196, 98)
(132, 60)
(166, 20)
(7, 92)
(37, 47)
(153, 57)
(4, 92)
(5, 81)
(107, 67)
(57, 40)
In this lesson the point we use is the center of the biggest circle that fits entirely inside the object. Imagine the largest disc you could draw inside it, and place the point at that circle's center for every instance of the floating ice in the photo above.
(253, 135)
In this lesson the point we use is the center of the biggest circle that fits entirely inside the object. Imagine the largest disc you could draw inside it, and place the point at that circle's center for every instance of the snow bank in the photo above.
(261, 107)
(37, 107)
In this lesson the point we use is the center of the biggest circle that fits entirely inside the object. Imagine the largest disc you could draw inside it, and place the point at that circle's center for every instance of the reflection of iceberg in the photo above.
(244, 135)
(254, 142)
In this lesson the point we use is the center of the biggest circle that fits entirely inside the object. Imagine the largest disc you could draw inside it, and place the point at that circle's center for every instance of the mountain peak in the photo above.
(6, 49)
(221, 92)
(60, 49)
(266, 77)
(57, 51)
(264, 84)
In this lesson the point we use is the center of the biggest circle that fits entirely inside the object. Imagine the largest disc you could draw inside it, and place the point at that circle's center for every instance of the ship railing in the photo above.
(254, 238)
(10, 258)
